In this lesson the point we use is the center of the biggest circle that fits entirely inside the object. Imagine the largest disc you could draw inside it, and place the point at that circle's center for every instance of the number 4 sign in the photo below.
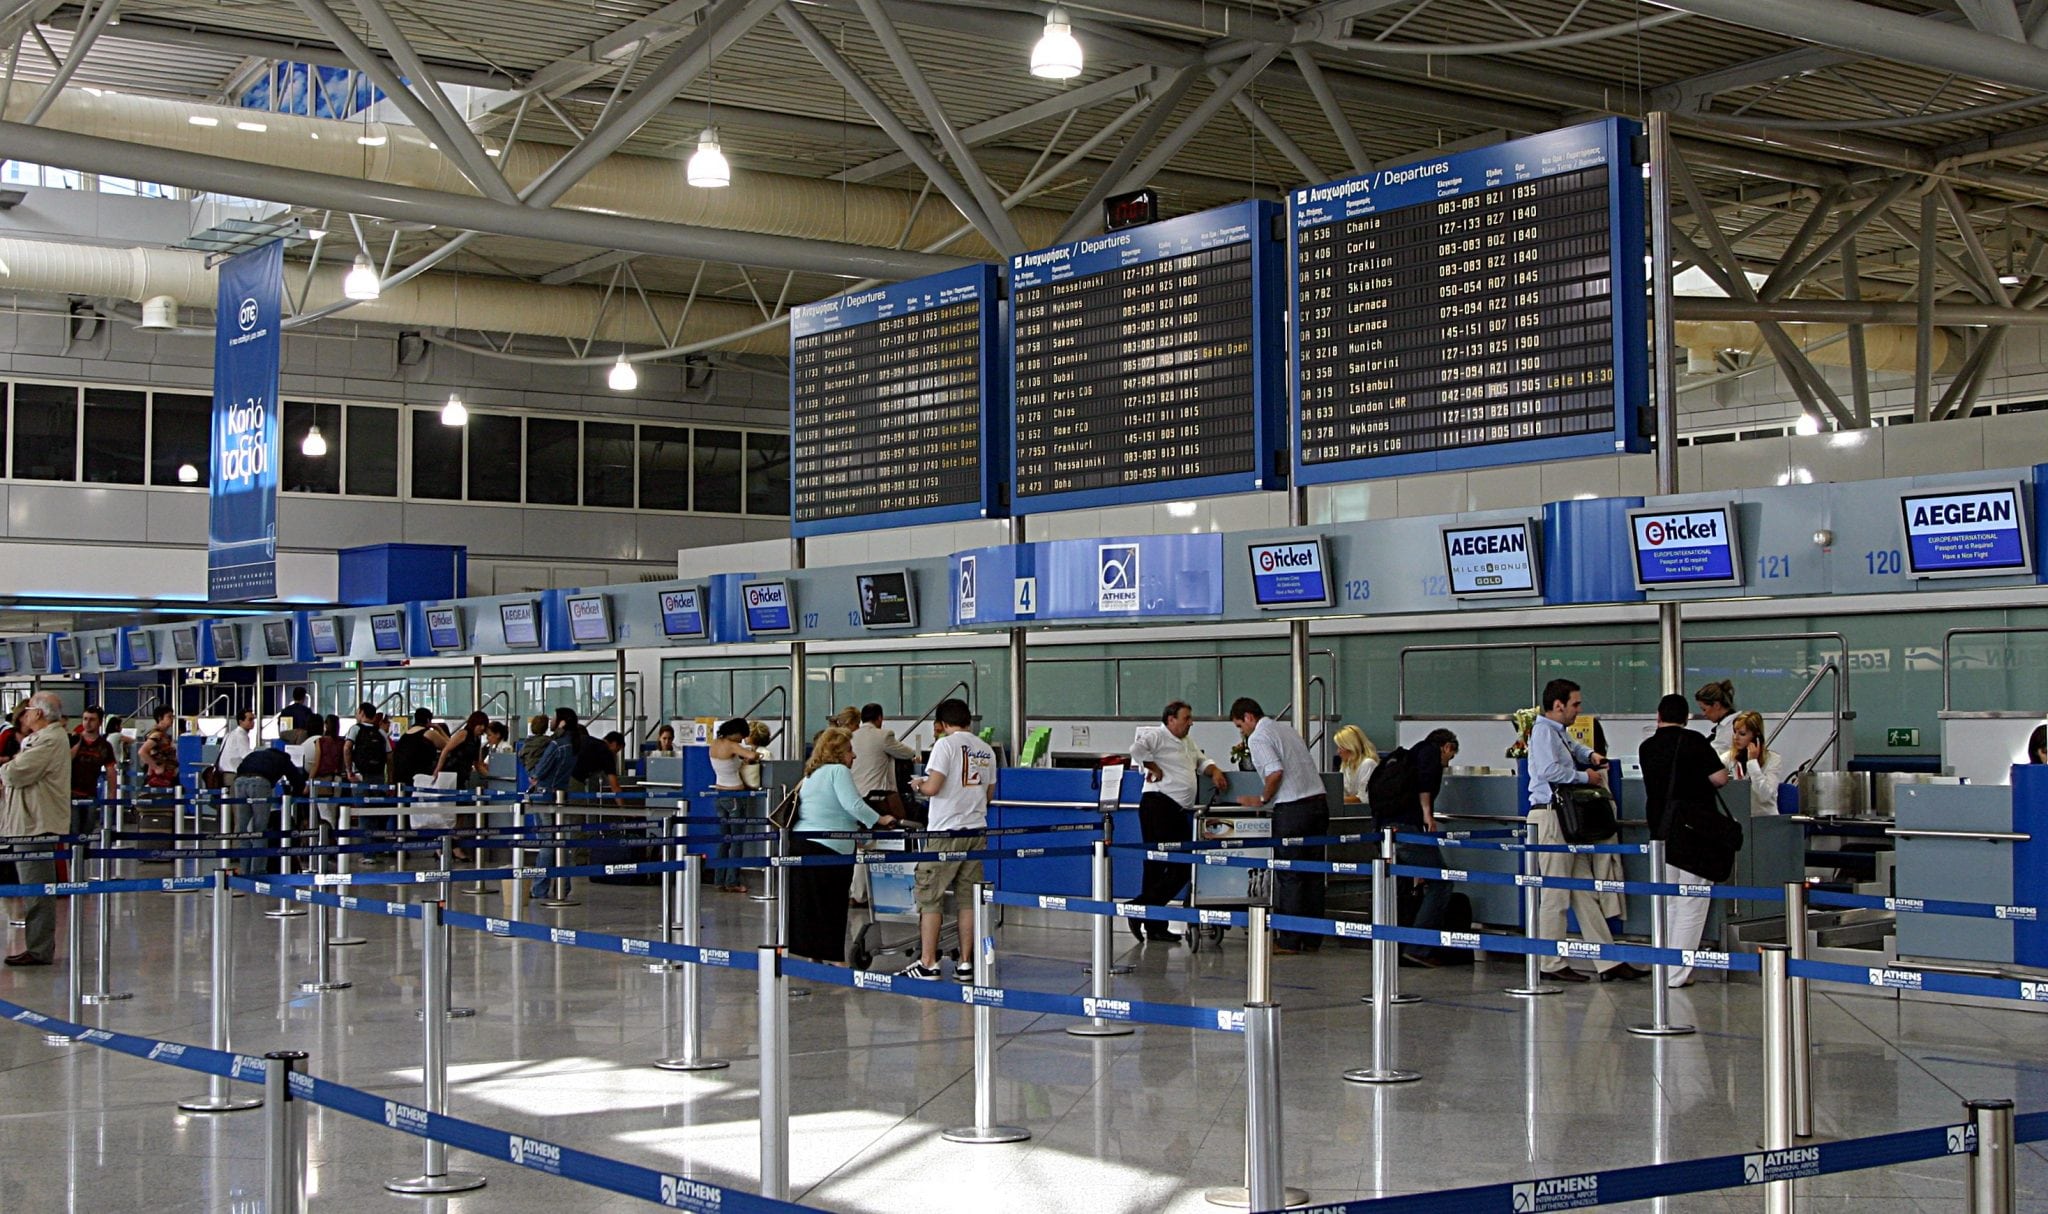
(1026, 602)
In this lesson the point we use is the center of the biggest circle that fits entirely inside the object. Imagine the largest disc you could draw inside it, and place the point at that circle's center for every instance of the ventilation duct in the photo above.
(1886, 347)
(159, 312)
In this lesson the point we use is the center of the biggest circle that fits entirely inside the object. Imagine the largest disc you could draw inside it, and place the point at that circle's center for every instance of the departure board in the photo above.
(1145, 363)
(1476, 309)
(893, 412)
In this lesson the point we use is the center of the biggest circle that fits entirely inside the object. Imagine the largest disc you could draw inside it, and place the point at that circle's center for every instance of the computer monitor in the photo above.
(520, 623)
(107, 648)
(227, 642)
(6, 657)
(590, 619)
(142, 648)
(39, 656)
(387, 632)
(1290, 574)
(1685, 548)
(277, 640)
(185, 646)
(1966, 532)
(325, 633)
(1491, 560)
(887, 599)
(682, 614)
(67, 652)
(444, 628)
(770, 608)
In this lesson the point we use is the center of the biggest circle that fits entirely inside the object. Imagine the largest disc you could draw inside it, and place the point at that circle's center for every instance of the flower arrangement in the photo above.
(1525, 720)
(1240, 755)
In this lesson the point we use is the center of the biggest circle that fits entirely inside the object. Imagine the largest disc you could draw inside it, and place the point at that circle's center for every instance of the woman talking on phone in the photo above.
(1749, 759)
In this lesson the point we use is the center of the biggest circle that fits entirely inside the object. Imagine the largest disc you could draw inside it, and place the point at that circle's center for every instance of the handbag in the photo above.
(1699, 838)
(783, 816)
(1585, 813)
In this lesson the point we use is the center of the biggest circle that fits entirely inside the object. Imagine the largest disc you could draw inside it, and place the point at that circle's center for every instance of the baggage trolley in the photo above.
(892, 899)
(1226, 886)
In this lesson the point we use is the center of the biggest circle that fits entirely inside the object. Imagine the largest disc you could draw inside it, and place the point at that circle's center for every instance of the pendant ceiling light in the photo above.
(623, 377)
(708, 169)
(315, 444)
(455, 413)
(1057, 55)
(361, 282)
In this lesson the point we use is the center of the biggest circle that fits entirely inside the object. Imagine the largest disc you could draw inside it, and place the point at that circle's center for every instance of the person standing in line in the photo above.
(92, 758)
(537, 739)
(1680, 768)
(1717, 704)
(298, 721)
(730, 752)
(1294, 792)
(959, 778)
(1557, 760)
(1356, 758)
(159, 752)
(369, 750)
(826, 801)
(236, 745)
(1173, 765)
(1749, 759)
(875, 755)
(37, 782)
(255, 784)
(1411, 807)
(2037, 745)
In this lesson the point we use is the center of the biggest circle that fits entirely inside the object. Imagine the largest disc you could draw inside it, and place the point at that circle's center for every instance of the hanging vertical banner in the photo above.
(248, 420)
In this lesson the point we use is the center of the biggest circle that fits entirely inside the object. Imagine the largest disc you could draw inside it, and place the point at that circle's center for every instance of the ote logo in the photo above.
(1116, 577)
(248, 314)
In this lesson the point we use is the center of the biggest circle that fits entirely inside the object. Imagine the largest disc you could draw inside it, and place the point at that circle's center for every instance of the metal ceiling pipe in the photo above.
(1898, 36)
(1889, 347)
(1842, 311)
(493, 305)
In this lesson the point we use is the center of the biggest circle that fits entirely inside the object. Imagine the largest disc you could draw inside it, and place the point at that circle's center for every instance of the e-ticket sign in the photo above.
(1470, 310)
(1685, 549)
(1964, 533)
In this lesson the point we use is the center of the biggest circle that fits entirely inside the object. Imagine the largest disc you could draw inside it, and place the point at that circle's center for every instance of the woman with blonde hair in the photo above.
(826, 801)
(1749, 759)
(1356, 757)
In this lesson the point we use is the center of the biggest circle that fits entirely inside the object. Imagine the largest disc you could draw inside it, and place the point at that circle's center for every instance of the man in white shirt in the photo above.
(236, 745)
(959, 777)
(1301, 809)
(1173, 765)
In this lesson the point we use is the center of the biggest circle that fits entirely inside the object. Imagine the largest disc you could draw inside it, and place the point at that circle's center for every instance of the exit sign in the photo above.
(1902, 737)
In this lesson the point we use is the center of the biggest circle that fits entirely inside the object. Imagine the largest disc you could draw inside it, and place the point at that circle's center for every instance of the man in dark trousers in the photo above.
(1679, 768)
(257, 779)
(1293, 790)
(1173, 767)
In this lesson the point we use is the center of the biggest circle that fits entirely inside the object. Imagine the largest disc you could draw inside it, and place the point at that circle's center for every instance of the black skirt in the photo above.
(817, 905)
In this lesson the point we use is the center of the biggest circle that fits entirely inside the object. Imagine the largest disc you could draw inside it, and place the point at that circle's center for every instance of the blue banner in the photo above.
(248, 420)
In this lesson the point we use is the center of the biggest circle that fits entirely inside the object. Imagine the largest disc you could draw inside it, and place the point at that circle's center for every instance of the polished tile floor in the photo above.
(561, 1039)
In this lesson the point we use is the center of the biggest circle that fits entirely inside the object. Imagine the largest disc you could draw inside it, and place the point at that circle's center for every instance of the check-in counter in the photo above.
(1974, 843)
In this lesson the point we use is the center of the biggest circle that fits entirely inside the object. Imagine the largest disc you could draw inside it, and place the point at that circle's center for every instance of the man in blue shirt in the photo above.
(1557, 760)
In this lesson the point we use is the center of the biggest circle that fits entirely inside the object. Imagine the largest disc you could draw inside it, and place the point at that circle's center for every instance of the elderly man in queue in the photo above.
(37, 801)
(1294, 792)
(1174, 766)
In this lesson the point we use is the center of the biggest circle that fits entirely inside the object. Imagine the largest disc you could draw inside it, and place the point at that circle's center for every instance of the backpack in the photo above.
(372, 752)
(1392, 792)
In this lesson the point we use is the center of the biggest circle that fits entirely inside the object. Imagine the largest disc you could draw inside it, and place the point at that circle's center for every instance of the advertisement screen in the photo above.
(444, 627)
(887, 600)
(1292, 574)
(67, 652)
(521, 624)
(107, 648)
(1685, 549)
(682, 614)
(768, 607)
(326, 634)
(227, 643)
(185, 646)
(590, 619)
(387, 632)
(1963, 533)
(1491, 559)
(141, 649)
(277, 640)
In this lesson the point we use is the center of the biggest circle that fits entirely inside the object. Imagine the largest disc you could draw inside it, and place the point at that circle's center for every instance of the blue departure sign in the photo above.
(1965, 533)
(682, 614)
(1471, 310)
(1290, 574)
(768, 608)
(1147, 363)
(1685, 549)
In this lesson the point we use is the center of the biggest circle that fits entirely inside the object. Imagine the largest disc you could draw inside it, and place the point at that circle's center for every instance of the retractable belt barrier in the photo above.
(1902, 978)
(1123, 910)
(299, 893)
(603, 942)
(1663, 889)
(940, 990)
(138, 885)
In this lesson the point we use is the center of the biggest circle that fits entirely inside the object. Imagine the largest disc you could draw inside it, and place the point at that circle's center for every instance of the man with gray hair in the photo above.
(37, 801)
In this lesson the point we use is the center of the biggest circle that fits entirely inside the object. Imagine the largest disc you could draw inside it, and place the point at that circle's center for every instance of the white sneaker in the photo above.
(1679, 978)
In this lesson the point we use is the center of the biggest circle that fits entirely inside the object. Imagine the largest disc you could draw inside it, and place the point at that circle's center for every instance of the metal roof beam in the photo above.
(468, 152)
(1109, 88)
(602, 56)
(1999, 18)
(588, 266)
(1866, 28)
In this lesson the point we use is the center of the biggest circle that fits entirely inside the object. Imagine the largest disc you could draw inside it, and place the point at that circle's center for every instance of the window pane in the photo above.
(372, 451)
(45, 432)
(767, 473)
(311, 473)
(607, 464)
(436, 456)
(551, 462)
(178, 427)
(716, 471)
(664, 468)
(493, 457)
(113, 436)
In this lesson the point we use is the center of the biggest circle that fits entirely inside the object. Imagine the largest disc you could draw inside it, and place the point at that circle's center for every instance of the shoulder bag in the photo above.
(1702, 839)
(1585, 813)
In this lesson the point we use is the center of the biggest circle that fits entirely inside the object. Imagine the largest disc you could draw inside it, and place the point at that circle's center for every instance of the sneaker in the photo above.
(963, 971)
(918, 969)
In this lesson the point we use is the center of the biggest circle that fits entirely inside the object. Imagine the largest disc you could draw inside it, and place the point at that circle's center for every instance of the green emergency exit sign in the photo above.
(1902, 737)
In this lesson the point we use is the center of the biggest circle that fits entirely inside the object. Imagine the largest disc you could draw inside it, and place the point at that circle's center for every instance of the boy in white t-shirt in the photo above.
(959, 777)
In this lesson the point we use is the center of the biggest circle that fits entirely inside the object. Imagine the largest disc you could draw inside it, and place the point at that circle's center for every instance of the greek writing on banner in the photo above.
(247, 447)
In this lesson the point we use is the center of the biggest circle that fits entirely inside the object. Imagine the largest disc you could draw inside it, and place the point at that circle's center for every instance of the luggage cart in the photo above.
(892, 898)
(1225, 886)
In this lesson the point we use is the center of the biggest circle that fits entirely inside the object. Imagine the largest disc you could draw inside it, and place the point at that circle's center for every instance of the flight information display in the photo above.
(894, 405)
(1481, 308)
(1145, 363)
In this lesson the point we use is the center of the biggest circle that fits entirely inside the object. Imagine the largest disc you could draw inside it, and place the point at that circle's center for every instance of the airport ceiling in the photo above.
(1813, 128)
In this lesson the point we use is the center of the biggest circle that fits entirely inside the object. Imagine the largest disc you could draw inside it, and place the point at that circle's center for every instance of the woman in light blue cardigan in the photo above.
(826, 801)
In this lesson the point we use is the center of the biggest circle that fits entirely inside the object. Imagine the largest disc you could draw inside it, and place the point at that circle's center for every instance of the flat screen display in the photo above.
(590, 619)
(769, 607)
(387, 632)
(1966, 532)
(1291, 574)
(6, 657)
(277, 640)
(521, 624)
(185, 646)
(67, 652)
(39, 656)
(887, 600)
(107, 648)
(1685, 549)
(325, 632)
(227, 643)
(682, 614)
(444, 627)
(142, 648)
(1482, 560)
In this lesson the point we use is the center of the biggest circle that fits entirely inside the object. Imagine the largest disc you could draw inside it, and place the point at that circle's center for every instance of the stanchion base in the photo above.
(1662, 1030)
(986, 1135)
(98, 997)
(663, 967)
(1099, 1028)
(454, 1013)
(558, 903)
(1367, 1075)
(1241, 1197)
(1397, 1001)
(1531, 992)
(58, 1040)
(286, 911)
(207, 1104)
(315, 988)
(691, 1064)
(345, 941)
(450, 1182)
(476, 891)
(1113, 969)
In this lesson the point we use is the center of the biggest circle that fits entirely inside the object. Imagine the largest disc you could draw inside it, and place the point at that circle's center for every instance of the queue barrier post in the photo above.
(985, 1129)
(513, 889)
(285, 1148)
(1258, 991)
(434, 1175)
(1660, 974)
(670, 852)
(558, 887)
(1777, 1070)
(1099, 962)
(343, 864)
(323, 975)
(283, 908)
(773, 1018)
(217, 1099)
(103, 924)
(1993, 1184)
(689, 1052)
(1392, 983)
(1802, 1030)
(1532, 907)
(477, 888)
(74, 946)
(1385, 961)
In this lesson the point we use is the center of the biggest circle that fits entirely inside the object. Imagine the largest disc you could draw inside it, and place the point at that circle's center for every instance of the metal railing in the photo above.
(961, 686)
(1834, 742)
(1947, 645)
(1116, 685)
(778, 690)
